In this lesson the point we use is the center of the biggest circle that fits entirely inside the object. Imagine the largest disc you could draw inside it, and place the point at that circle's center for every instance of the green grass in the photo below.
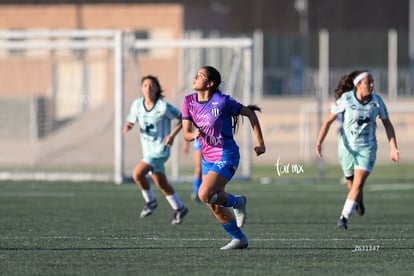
(56, 228)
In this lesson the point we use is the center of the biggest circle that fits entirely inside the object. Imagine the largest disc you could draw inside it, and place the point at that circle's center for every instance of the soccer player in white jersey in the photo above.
(357, 142)
(153, 116)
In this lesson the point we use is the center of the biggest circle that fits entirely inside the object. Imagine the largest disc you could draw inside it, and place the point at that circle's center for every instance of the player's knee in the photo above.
(206, 198)
(203, 197)
(138, 177)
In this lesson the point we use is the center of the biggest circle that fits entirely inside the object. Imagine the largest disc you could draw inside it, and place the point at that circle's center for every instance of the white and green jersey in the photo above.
(154, 126)
(359, 119)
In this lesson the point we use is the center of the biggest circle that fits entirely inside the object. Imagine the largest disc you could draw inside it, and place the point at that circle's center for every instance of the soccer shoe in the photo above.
(240, 211)
(236, 244)
(149, 207)
(179, 215)
(342, 223)
(360, 209)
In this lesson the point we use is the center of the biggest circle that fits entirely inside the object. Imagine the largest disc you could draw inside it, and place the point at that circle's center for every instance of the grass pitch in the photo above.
(55, 228)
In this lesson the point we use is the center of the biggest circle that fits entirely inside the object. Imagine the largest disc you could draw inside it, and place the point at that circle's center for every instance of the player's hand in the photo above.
(395, 155)
(196, 133)
(169, 140)
(127, 128)
(319, 151)
(260, 150)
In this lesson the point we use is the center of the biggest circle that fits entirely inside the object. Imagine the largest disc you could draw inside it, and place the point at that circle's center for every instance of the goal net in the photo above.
(65, 96)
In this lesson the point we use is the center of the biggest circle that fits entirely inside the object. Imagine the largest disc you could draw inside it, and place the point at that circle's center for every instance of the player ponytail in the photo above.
(346, 83)
(235, 124)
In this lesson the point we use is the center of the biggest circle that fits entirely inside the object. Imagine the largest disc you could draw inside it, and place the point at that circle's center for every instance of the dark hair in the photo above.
(346, 83)
(214, 75)
(154, 80)
(235, 124)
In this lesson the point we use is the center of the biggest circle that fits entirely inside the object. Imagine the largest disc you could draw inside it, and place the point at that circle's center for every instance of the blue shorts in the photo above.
(226, 168)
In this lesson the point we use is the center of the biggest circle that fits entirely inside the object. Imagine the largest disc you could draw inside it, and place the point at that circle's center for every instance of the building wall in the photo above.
(103, 16)
(154, 21)
(246, 16)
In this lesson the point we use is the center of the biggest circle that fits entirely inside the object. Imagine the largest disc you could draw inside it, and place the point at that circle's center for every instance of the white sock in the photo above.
(148, 195)
(174, 201)
(349, 208)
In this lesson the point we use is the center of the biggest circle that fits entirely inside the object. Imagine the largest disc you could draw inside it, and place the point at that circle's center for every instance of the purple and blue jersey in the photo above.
(214, 119)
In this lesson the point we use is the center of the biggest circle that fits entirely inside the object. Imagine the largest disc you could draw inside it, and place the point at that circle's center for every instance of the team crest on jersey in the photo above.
(215, 112)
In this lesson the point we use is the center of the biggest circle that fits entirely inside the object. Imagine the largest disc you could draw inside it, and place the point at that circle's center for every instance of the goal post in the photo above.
(63, 100)
(53, 56)
(237, 75)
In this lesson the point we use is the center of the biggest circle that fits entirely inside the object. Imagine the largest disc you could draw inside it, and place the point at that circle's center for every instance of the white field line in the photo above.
(51, 193)
(195, 239)
(37, 194)
(390, 187)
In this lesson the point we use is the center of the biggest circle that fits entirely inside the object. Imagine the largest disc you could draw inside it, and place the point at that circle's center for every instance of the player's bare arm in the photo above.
(322, 133)
(189, 134)
(257, 130)
(389, 129)
(169, 140)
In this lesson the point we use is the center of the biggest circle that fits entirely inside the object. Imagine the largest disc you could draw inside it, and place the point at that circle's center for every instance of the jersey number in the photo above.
(148, 128)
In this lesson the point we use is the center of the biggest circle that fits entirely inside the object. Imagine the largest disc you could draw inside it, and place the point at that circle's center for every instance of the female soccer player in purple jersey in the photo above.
(359, 108)
(214, 116)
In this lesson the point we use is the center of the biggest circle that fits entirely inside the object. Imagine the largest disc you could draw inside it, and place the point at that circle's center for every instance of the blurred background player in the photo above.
(215, 118)
(357, 142)
(197, 167)
(343, 86)
(154, 116)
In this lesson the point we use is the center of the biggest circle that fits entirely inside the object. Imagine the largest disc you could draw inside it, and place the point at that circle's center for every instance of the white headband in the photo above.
(361, 76)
